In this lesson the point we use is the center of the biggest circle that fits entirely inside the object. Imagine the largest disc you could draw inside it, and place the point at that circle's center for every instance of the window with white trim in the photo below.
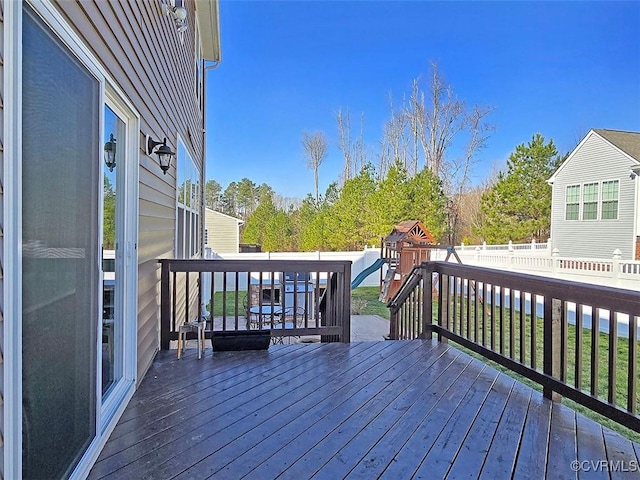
(572, 202)
(188, 205)
(590, 201)
(610, 194)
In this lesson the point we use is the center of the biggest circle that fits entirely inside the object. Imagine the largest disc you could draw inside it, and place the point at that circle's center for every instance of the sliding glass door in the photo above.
(60, 264)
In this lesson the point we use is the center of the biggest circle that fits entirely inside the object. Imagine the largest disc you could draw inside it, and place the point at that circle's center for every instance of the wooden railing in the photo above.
(284, 297)
(574, 339)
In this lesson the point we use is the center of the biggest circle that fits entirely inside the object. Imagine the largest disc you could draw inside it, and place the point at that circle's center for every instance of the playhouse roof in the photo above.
(410, 231)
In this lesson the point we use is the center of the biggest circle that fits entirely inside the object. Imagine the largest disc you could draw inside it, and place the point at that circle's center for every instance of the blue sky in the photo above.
(558, 68)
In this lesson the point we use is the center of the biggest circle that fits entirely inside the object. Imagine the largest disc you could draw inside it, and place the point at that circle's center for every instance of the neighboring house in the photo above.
(84, 84)
(222, 232)
(595, 202)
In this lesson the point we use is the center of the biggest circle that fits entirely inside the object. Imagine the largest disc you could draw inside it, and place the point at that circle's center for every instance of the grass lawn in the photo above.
(364, 301)
(230, 304)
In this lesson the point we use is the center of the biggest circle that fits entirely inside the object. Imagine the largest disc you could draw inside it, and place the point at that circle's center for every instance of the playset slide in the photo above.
(368, 271)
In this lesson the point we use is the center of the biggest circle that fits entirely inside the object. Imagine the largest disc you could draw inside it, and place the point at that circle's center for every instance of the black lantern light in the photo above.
(110, 153)
(163, 151)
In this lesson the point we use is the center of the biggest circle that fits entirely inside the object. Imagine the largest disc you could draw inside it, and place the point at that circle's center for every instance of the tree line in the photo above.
(414, 175)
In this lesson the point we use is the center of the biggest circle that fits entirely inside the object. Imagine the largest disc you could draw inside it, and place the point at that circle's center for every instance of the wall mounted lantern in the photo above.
(110, 153)
(175, 9)
(163, 151)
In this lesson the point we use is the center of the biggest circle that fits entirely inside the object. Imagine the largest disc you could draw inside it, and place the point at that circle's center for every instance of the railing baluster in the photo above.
(534, 330)
(564, 341)
(613, 354)
(595, 349)
(212, 291)
(523, 326)
(579, 345)
(493, 316)
(443, 305)
(512, 323)
(468, 312)
(236, 304)
(476, 328)
(632, 383)
(224, 300)
(502, 307)
(187, 299)
(174, 304)
(455, 305)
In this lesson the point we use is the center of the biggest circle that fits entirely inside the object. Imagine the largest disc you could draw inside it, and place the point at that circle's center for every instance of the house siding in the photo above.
(596, 160)
(144, 55)
(1, 239)
(222, 232)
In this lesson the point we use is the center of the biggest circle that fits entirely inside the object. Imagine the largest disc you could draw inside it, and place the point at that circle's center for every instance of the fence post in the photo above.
(555, 253)
(477, 255)
(511, 254)
(553, 345)
(617, 256)
(533, 244)
(484, 245)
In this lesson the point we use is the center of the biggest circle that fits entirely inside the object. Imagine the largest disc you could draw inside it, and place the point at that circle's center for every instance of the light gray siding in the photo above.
(223, 234)
(595, 160)
(142, 51)
(1, 239)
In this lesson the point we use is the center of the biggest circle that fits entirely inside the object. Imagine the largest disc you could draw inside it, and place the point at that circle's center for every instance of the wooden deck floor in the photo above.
(395, 409)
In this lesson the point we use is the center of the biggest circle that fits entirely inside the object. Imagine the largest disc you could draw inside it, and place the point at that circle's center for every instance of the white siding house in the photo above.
(594, 208)
(222, 232)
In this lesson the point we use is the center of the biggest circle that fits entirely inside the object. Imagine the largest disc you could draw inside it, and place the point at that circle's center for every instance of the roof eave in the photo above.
(209, 27)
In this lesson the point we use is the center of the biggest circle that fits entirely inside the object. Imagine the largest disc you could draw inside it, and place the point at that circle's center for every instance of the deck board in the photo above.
(394, 409)
(503, 451)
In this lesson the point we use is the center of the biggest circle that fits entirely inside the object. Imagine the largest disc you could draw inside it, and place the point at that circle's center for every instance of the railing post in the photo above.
(427, 298)
(346, 303)
(393, 326)
(165, 305)
(552, 347)
(555, 253)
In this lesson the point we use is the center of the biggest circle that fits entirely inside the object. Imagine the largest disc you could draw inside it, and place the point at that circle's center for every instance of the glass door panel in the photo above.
(60, 259)
(112, 246)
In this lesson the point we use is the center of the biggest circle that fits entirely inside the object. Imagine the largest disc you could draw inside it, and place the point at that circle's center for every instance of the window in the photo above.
(610, 200)
(572, 210)
(590, 201)
(188, 208)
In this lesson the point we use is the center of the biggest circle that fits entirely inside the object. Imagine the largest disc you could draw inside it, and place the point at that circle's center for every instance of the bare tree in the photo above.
(315, 148)
(344, 130)
(354, 153)
(396, 138)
